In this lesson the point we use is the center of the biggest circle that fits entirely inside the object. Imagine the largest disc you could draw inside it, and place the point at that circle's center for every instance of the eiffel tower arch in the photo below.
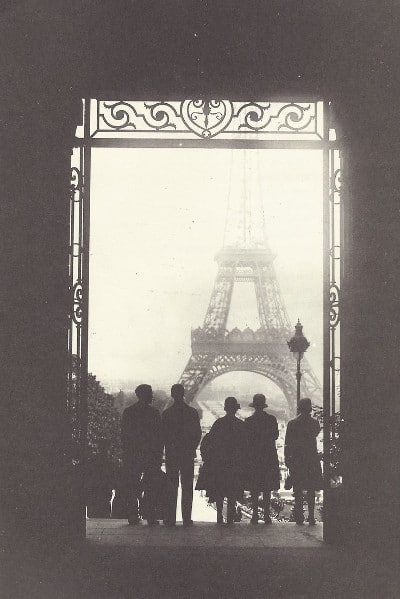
(246, 258)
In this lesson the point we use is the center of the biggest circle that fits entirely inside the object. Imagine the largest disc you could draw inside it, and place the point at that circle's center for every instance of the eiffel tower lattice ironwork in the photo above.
(246, 257)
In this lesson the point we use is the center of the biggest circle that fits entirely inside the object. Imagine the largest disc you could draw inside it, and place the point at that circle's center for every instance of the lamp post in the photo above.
(298, 345)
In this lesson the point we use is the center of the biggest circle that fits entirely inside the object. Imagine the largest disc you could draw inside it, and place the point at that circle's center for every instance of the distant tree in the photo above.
(122, 400)
(103, 419)
(119, 400)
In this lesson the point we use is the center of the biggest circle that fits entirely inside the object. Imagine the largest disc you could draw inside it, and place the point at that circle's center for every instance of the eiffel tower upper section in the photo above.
(245, 255)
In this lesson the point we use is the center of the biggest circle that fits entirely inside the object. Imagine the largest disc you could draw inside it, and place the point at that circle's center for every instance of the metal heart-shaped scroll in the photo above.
(206, 118)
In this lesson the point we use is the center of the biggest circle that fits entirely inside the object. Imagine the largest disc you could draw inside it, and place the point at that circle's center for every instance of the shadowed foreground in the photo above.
(118, 561)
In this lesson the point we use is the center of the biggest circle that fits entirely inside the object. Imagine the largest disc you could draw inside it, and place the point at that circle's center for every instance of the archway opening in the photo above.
(156, 240)
(306, 228)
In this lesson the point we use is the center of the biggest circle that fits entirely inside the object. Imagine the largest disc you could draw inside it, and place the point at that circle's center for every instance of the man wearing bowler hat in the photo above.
(226, 458)
(263, 465)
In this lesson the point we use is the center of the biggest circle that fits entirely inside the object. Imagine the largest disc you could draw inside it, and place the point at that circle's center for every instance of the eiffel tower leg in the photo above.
(288, 388)
(310, 386)
(194, 375)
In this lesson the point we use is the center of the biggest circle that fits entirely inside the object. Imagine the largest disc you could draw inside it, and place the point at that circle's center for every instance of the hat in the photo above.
(230, 403)
(259, 401)
(305, 405)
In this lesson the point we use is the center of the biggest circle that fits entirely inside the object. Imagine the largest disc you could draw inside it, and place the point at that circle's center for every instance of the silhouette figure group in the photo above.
(237, 456)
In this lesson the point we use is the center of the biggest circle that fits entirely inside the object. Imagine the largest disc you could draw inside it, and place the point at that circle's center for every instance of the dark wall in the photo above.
(53, 53)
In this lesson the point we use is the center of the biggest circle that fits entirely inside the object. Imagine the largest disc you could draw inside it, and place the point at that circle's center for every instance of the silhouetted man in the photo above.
(302, 459)
(263, 466)
(181, 434)
(142, 447)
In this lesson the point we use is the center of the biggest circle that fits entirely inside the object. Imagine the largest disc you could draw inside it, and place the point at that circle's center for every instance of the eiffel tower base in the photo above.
(216, 351)
(279, 367)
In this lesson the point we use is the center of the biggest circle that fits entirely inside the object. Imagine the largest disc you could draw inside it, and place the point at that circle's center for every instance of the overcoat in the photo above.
(181, 432)
(301, 454)
(262, 472)
(223, 452)
(141, 436)
(206, 480)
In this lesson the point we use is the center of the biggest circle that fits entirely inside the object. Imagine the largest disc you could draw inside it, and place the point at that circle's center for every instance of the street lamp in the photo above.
(298, 345)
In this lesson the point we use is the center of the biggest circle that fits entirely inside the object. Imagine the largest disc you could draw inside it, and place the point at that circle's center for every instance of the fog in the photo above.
(158, 219)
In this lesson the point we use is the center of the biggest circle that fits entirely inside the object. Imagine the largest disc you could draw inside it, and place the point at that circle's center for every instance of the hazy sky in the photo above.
(157, 220)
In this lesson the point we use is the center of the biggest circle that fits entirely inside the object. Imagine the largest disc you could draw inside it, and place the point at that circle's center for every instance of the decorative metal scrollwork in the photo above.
(333, 370)
(76, 320)
(334, 302)
(119, 115)
(76, 179)
(206, 118)
(77, 293)
(254, 115)
(291, 117)
(337, 181)
(161, 116)
(295, 117)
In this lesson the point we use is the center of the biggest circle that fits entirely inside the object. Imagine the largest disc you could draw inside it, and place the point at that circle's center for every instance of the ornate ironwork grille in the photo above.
(202, 123)
(191, 119)
(78, 292)
(333, 285)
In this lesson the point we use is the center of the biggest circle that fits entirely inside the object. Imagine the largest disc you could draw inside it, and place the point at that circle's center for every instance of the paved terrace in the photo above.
(118, 561)
(117, 533)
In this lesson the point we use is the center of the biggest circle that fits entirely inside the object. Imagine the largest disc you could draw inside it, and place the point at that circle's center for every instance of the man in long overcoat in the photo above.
(181, 436)
(226, 459)
(301, 457)
(142, 449)
(263, 474)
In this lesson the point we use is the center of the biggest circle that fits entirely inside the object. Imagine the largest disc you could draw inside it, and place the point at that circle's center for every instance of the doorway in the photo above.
(179, 132)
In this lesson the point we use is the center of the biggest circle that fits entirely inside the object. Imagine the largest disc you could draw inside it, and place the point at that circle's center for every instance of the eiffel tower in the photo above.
(246, 257)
